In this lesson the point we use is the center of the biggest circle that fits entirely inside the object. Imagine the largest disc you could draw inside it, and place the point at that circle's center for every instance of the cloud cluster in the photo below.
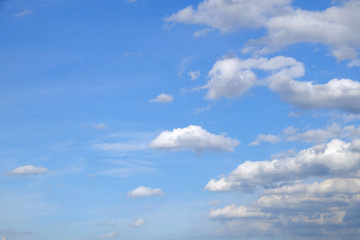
(27, 170)
(291, 134)
(232, 77)
(336, 26)
(329, 207)
(228, 16)
(145, 192)
(336, 158)
(194, 138)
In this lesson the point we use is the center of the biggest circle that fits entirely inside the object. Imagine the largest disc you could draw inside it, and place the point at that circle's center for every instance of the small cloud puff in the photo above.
(144, 192)
(194, 138)
(162, 98)
(138, 223)
(194, 74)
(27, 170)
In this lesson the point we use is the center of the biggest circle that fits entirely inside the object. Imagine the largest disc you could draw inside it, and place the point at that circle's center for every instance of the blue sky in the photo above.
(177, 119)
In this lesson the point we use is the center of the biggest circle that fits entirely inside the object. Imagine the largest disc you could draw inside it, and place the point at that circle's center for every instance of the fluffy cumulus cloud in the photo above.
(194, 138)
(232, 77)
(336, 26)
(229, 79)
(332, 159)
(162, 98)
(27, 170)
(228, 16)
(138, 223)
(341, 94)
(145, 192)
(329, 207)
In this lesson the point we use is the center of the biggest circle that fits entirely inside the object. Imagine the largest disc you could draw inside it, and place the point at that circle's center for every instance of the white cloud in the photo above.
(265, 138)
(23, 13)
(228, 16)
(194, 138)
(326, 188)
(162, 98)
(231, 78)
(3, 238)
(107, 235)
(233, 211)
(138, 223)
(335, 158)
(341, 94)
(194, 74)
(145, 192)
(336, 26)
(28, 170)
(291, 134)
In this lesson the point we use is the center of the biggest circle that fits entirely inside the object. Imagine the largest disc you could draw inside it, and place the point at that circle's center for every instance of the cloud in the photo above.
(232, 211)
(23, 13)
(27, 170)
(321, 135)
(202, 32)
(138, 223)
(265, 138)
(231, 78)
(228, 16)
(336, 158)
(162, 98)
(145, 192)
(194, 74)
(341, 94)
(194, 138)
(107, 235)
(335, 27)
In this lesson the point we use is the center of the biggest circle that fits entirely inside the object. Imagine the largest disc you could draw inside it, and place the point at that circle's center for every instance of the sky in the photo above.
(179, 119)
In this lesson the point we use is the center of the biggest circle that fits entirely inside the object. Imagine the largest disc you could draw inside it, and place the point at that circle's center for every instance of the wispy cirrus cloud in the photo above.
(27, 170)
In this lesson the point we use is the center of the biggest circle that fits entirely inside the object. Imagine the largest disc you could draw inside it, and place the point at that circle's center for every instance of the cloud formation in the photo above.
(335, 27)
(138, 223)
(194, 138)
(336, 158)
(145, 192)
(231, 78)
(227, 16)
(27, 170)
(162, 98)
